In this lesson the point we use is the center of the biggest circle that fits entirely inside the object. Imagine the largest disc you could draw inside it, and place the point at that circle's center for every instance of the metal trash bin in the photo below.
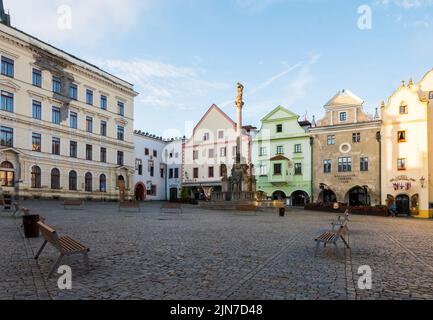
(31, 227)
(282, 212)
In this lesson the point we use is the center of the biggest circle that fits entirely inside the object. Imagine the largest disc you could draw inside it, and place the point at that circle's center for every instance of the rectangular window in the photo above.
(36, 142)
(121, 133)
(298, 169)
(223, 152)
(73, 149)
(364, 164)
(155, 153)
(89, 124)
(430, 95)
(211, 153)
(89, 97)
(120, 158)
(356, 137)
(55, 146)
(176, 173)
(401, 164)
(345, 164)
(278, 169)
(280, 150)
(57, 85)
(343, 116)
(73, 92)
(103, 128)
(195, 155)
(151, 168)
(279, 128)
(7, 101)
(327, 166)
(103, 155)
(6, 137)
(7, 67)
(89, 152)
(161, 171)
(121, 107)
(73, 120)
(401, 136)
(206, 136)
(263, 151)
(195, 174)
(170, 173)
(263, 170)
(55, 115)
(298, 148)
(37, 78)
(331, 140)
(36, 110)
(211, 172)
(146, 151)
(221, 134)
(103, 102)
(404, 109)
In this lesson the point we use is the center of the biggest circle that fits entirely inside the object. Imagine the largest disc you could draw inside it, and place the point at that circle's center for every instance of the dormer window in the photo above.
(343, 116)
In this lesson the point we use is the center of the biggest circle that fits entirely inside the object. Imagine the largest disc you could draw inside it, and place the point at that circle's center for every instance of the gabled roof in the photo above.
(289, 114)
(279, 158)
(344, 98)
(214, 107)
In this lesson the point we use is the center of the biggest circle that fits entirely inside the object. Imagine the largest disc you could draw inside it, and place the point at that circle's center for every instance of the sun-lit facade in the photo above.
(407, 145)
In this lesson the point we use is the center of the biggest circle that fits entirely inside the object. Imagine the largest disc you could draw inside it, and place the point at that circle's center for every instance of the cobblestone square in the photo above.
(216, 255)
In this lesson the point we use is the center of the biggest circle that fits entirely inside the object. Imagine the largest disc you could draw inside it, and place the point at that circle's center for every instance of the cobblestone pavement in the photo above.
(216, 255)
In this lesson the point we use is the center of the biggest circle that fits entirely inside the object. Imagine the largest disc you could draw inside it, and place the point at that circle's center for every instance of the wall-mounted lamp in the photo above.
(422, 180)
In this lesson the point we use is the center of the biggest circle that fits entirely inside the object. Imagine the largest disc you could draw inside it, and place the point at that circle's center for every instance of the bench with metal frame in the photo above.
(73, 205)
(333, 237)
(65, 245)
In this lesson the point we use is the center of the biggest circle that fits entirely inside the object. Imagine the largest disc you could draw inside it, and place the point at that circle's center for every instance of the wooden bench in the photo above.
(246, 208)
(128, 205)
(341, 221)
(171, 208)
(73, 204)
(65, 245)
(332, 237)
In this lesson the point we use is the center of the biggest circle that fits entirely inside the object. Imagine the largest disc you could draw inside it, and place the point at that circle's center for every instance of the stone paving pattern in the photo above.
(216, 255)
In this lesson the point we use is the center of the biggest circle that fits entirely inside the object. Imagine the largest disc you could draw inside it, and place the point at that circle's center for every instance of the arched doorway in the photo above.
(358, 196)
(140, 192)
(279, 195)
(403, 204)
(300, 198)
(327, 196)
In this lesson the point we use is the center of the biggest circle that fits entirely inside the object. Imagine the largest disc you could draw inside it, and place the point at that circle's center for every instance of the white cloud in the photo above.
(162, 86)
(92, 20)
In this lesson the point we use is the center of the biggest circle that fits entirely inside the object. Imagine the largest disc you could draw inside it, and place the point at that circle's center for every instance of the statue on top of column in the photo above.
(239, 99)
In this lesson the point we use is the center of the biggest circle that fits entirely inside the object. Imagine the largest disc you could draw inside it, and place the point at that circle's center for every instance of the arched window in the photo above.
(6, 174)
(102, 183)
(73, 181)
(88, 182)
(55, 179)
(36, 177)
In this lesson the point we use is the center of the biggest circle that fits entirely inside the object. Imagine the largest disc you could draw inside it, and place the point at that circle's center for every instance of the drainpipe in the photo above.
(312, 168)
(379, 140)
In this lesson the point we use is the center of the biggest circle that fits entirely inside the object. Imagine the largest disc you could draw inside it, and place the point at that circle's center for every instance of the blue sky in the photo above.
(185, 55)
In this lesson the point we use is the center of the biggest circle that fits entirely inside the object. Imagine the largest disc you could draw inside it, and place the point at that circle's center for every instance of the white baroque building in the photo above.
(66, 126)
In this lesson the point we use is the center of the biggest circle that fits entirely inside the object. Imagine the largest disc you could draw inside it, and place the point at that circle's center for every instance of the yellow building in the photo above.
(66, 126)
(407, 145)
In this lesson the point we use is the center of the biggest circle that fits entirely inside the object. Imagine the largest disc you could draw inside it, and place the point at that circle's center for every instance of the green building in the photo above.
(281, 154)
